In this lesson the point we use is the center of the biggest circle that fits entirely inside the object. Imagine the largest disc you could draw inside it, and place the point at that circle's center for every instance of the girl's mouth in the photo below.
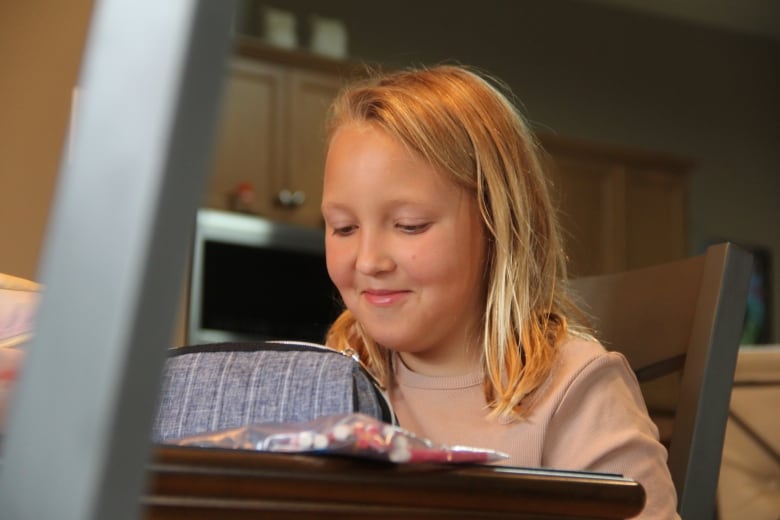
(383, 297)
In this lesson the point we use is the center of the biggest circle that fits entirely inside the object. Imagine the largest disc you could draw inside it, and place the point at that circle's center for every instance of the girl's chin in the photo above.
(394, 341)
(395, 336)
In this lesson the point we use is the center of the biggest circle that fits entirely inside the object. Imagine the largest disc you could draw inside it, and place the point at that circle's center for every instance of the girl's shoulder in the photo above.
(584, 357)
(576, 350)
(581, 368)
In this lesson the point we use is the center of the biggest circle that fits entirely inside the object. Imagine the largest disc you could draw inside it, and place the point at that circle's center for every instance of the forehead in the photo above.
(362, 154)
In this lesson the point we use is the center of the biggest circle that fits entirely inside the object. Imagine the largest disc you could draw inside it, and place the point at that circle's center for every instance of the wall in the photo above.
(40, 50)
(580, 70)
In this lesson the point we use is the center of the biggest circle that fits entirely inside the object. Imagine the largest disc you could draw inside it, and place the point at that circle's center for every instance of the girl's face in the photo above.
(405, 247)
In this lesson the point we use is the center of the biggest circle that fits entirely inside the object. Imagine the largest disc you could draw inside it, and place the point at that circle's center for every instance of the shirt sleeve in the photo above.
(601, 424)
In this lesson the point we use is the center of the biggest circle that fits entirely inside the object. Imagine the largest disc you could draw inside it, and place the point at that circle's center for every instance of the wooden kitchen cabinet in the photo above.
(312, 94)
(271, 134)
(619, 209)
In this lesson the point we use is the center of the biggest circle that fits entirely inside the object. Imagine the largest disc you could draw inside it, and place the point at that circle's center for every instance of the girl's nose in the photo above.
(373, 255)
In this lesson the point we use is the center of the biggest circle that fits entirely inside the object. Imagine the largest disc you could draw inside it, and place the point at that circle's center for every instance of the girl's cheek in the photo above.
(337, 263)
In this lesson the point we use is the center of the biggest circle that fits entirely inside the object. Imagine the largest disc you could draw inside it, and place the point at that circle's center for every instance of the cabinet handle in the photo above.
(290, 199)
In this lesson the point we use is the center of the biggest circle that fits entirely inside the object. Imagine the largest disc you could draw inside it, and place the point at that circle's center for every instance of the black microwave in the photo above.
(253, 278)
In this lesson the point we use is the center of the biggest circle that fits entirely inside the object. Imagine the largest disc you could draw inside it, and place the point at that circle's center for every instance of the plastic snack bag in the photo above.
(354, 435)
(10, 363)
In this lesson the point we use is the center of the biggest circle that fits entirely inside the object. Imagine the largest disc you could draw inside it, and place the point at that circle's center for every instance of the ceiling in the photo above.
(759, 18)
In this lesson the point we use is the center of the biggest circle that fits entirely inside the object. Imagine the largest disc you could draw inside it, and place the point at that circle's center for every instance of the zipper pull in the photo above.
(350, 352)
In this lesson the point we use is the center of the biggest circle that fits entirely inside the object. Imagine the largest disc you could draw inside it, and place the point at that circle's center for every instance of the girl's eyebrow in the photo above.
(392, 204)
(334, 206)
(395, 204)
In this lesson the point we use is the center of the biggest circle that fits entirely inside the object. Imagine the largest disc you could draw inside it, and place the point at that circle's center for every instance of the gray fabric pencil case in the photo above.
(218, 386)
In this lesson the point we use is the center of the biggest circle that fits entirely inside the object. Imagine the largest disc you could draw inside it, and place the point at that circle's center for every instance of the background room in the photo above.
(659, 121)
(691, 104)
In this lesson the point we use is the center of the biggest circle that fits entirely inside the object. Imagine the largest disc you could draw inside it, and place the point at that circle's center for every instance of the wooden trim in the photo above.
(232, 484)
(554, 145)
(256, 48)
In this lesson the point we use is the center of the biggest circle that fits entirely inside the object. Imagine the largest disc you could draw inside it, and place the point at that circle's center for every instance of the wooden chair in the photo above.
(679, 325)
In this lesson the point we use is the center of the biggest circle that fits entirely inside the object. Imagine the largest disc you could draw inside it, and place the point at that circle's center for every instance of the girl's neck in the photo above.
(441, 366)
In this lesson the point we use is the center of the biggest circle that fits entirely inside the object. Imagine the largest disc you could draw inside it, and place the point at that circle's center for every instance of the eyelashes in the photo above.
(343, 231)
(414, 229)
(408, 229)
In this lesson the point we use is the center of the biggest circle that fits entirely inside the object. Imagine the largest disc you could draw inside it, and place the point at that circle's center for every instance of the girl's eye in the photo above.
(414, 229)
(344, 230)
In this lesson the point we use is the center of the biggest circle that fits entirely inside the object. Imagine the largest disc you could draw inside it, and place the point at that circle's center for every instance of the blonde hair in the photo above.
(465, 126)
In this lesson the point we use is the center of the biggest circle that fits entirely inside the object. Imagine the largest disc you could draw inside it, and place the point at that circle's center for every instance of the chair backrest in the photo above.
(679, 326)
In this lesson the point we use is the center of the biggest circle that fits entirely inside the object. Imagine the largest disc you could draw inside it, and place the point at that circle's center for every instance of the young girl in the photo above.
(442, 241)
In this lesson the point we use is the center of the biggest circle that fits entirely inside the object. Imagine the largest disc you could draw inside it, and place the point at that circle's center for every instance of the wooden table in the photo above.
(204, 483)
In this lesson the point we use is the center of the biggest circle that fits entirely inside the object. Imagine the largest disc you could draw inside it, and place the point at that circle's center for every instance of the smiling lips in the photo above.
(383, 297)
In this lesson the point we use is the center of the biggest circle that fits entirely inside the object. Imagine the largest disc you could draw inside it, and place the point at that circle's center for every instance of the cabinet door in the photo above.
(588, 195)
(248, 144)
(619, 209)
(310, 97)
(655, 217)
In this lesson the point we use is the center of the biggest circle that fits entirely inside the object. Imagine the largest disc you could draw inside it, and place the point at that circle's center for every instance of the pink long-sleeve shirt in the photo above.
(589, 415)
